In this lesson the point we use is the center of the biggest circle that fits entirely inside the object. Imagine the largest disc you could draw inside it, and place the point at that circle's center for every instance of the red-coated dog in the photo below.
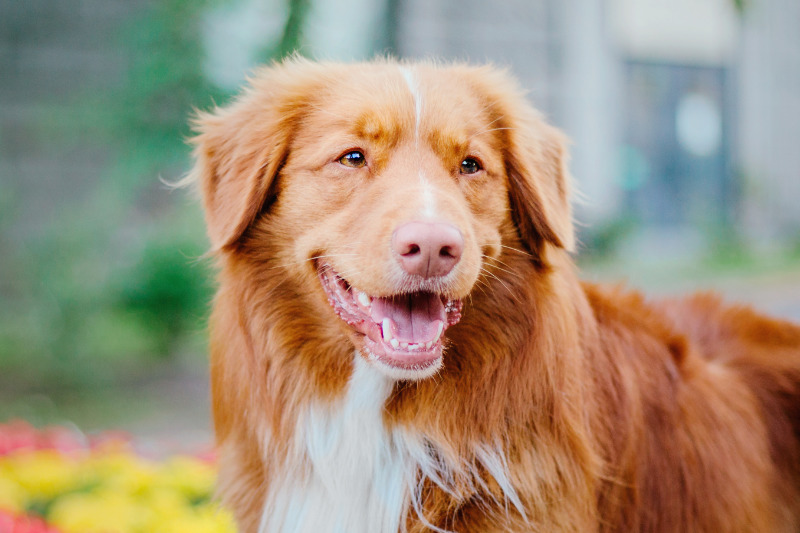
(400, 342)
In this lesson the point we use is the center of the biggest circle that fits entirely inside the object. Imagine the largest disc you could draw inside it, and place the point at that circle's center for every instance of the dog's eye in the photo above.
(354, 159)
(470, 165)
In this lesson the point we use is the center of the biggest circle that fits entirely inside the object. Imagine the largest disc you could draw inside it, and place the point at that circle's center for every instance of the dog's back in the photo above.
(704, 428)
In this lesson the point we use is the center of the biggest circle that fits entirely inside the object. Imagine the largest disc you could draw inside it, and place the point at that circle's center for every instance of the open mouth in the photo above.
(403, 331)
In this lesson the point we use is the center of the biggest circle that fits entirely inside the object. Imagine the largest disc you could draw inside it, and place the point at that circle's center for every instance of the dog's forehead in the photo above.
(387, 103)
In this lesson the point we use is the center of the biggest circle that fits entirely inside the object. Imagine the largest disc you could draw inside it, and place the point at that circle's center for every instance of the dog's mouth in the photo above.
(404, 331)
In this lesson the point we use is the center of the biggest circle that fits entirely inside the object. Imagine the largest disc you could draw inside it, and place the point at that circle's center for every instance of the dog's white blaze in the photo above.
(347, 474)
(428, 196)
(413, 86)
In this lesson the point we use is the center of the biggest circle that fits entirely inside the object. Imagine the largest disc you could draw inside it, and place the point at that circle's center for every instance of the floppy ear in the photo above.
(240, 149)
(535, 160)
(539, 188)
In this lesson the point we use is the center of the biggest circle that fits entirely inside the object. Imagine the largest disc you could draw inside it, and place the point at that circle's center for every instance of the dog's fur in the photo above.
(554, 405)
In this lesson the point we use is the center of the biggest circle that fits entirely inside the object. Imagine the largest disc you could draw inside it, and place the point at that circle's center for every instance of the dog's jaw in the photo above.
(403, 334)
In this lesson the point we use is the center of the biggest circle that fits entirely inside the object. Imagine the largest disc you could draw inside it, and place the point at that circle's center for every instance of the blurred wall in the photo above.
(51, 50)
(768, 144)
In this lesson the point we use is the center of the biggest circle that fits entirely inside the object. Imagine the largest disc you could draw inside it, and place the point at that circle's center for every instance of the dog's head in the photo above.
(385, 187)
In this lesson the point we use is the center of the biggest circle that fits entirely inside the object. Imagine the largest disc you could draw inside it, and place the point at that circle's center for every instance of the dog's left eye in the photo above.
(470, 165)
(354, 159)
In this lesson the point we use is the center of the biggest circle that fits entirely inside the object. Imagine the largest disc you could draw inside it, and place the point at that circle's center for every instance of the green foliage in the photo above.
(600, 242)
(167, 289)
(117, 286)
(92, 311)
(292, 38)
(727, 249)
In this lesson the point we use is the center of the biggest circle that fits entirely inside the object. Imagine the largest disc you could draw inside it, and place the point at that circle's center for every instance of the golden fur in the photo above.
(613, 413)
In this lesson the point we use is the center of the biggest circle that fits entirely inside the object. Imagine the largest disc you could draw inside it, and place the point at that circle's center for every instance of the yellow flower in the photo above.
(203, 519)
(102, 511)
(191, 477)
(121, 471)
(12, 497)
(43, 474)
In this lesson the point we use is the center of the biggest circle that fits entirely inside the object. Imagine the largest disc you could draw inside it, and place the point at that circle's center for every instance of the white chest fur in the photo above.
(349, 474)
(346, 473)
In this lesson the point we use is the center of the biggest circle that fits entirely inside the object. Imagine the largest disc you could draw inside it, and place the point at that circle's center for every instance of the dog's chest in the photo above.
(347, 474)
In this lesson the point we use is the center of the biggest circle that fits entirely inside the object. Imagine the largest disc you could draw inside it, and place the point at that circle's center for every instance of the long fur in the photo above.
(560, 406)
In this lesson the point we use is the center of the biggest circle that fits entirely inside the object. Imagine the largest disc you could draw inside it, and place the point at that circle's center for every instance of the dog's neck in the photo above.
(344, 460)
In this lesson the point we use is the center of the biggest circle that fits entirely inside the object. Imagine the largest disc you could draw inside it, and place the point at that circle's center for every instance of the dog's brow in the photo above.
(451, 143)
(376, 126)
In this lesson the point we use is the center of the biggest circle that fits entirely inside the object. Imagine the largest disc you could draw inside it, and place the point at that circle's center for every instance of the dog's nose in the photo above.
(427, 249)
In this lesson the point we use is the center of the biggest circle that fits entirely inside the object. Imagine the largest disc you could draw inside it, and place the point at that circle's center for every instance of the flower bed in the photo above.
(58, 481)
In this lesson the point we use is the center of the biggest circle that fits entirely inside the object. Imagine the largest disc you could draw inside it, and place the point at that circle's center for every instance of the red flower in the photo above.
(17, 435)
(10, 523)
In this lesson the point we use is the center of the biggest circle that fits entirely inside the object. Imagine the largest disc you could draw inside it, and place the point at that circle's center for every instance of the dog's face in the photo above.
(385, 188)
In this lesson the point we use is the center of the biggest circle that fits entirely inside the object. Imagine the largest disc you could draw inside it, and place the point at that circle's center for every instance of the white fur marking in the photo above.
(428, 197)
(354, 480)
(346, 474)
(413, 86)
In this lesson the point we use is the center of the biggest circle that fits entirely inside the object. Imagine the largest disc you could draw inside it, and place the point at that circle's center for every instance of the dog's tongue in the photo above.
(416, 316)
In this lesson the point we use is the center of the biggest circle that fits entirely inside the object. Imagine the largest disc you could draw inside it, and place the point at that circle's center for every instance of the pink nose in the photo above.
(427, 249)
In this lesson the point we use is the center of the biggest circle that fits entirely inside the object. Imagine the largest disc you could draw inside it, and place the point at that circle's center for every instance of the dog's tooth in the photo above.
(364, 299)
(386, 329)
(395, 343)
(428, 344)
(439, 332)
(404, 345)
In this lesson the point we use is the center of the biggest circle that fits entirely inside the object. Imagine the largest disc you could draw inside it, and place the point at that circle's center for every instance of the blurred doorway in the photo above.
(676, 156)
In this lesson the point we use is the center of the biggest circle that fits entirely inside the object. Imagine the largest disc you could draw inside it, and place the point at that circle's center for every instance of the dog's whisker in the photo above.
(328, 112)
(488, 131)
(329, 255)
(300, 262)
(485, 111)
(510, 272)
(512, 293)
(523, 252)
(495, 259)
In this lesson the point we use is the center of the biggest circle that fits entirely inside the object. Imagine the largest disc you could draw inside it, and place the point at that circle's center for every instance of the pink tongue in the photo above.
(415, 315)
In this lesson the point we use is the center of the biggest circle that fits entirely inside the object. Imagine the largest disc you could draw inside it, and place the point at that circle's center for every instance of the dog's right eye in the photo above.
(354, 159)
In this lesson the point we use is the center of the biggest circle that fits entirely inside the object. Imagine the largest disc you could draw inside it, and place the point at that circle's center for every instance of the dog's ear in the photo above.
(539, 183)
(535, 159)
(240, 149)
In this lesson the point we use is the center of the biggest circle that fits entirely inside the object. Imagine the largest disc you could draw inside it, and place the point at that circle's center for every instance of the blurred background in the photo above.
(684, 116)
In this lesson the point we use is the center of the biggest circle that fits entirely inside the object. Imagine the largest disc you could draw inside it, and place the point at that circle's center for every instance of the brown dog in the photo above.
(470, 382)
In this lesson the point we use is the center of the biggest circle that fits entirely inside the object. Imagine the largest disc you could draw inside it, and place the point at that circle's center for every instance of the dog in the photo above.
(400, 341)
